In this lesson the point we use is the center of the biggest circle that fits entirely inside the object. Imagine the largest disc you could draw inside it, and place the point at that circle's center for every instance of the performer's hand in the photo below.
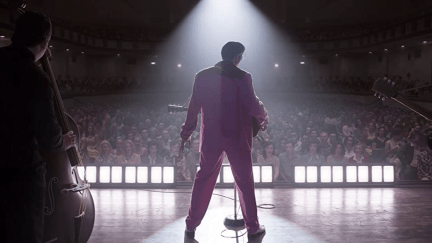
(265, 124)
(69, 140)
(182, 146)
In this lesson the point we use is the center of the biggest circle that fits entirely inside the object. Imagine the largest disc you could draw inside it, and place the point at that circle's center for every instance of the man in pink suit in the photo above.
(225, 96)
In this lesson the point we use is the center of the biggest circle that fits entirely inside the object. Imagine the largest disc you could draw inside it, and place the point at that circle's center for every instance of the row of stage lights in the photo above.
(165, 174)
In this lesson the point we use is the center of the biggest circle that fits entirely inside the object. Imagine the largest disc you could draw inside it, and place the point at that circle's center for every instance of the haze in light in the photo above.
(198, 40)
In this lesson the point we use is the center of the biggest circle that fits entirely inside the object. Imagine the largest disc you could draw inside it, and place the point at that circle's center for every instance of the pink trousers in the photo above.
(205, 181)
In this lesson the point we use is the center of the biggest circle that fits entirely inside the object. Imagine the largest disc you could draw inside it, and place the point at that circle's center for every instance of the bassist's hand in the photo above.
(69, 140)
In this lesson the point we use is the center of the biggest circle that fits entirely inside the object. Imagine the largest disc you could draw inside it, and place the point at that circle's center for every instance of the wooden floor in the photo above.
(301, 215)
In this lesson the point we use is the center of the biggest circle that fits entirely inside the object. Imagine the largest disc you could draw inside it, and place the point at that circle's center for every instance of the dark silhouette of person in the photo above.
(28, 125)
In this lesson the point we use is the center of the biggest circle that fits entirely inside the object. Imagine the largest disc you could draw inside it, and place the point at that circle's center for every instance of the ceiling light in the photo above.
(118, 55)
(153, 63)
(385, 49)
(179, 65)
(336, 54)
(2, 36)
(402, 46)
(276, 65)
(302, 62)
(51, 46)
(370, 52)
(67, 49)
(424, 42)
(82, 52)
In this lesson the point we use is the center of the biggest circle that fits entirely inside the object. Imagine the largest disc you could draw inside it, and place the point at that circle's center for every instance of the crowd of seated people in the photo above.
(326, 133)
(309, 132)
(346, 85)
(333, 84)
(119, 133)
(95, 85)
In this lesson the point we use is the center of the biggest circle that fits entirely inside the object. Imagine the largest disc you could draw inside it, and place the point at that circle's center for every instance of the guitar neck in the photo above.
(413, 106)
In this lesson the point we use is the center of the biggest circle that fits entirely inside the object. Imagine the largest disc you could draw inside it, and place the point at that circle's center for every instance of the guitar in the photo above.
(255, 126)
(385, 89)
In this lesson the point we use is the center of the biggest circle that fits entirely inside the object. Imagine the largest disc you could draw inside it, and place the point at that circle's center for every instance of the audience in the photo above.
(337, 154)
(316, 131)
(313, 157)
(268, 157)
(106, 154)
(359, 156)
(287, 159)
(128, 157)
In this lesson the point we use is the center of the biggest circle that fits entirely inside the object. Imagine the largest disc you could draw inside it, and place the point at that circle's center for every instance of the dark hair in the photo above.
(346, 140)
(316, 142)
(31, 29)
(266, 144)
(119, 118)
(231, 49)
(152, 143)
(397, 130)
(290, 142)
(333, 149)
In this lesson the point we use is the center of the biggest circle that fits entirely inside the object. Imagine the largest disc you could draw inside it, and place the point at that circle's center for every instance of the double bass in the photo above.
(69, 207)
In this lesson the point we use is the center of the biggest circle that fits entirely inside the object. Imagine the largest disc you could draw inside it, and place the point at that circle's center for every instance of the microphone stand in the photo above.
(234, 222)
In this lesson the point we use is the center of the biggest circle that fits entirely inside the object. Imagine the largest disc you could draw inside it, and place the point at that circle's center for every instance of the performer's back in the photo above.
(225, 95)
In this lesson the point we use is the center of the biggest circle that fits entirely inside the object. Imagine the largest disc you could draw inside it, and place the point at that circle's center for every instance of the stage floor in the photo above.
(300, 215)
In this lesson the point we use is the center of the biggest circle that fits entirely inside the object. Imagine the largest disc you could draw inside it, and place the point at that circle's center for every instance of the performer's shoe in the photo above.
(190, 234)
(261, 229)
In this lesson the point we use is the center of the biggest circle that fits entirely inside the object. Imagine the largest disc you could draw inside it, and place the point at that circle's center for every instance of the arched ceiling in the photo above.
(139, 13)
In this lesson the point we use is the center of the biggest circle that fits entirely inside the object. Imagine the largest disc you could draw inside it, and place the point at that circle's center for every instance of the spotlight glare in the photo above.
(336, 54)
(424, 42)
(153, 63)
(302, 62)
(2, 36)
(276, 65)
(118, 55)
(179, 65)
(385, 49)
(402, 46)
(67, 49)
(370, 52)
(50, 46)
(82, 52)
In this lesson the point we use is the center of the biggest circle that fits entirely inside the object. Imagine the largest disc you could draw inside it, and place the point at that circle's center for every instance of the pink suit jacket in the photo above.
(226, 98)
